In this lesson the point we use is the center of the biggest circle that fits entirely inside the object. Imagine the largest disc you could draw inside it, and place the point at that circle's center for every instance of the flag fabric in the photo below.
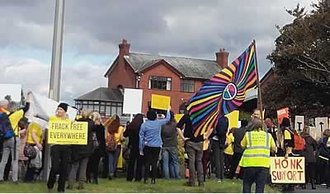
(224, 92)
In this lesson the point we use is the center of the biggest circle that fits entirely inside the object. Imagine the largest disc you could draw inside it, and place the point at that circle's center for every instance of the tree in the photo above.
(301, 61)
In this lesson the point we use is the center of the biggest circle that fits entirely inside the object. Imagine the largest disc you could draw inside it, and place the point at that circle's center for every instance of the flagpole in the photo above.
(55, 74)
(258, 83)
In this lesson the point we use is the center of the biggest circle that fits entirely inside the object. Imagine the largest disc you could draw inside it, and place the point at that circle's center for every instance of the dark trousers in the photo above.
(30, 172)
(228, 162)
(310, 172)
(205, 161)
(60, 157)
(321, 166)
(151, 158)
(236, 158)
(256, 175)
(93, 165)
(218, 155)
(134, 159)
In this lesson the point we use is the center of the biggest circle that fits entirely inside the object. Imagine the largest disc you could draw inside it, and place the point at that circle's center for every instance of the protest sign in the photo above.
(178, 117)
(315, 133)
(67, 132)
(233, 119)
(321, 124)
(132, 101)
(290, 170)
(282, 113)
(160, 102)
(12, 90)
(299, 123)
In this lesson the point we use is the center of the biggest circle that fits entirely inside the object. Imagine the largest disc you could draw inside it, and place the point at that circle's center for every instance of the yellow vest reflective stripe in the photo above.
(257, 152)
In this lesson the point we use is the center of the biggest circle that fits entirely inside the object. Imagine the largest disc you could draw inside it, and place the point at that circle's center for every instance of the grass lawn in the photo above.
(121, 186)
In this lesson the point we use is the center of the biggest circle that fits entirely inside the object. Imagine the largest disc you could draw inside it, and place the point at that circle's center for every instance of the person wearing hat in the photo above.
(60, 154)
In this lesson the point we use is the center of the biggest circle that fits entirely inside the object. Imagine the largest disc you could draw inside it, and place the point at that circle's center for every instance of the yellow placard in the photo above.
(160, 102)
(67, 132)
(233, 119)
(178, 117)
(290, 170)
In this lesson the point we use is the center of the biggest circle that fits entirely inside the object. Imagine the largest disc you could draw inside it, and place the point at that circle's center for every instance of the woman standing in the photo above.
(114, 138)
(310, 160)
(132, 132)
(81, 153)
(229, 151)
(34, 138)
(170, 149)
(94, 159)
(151, 142)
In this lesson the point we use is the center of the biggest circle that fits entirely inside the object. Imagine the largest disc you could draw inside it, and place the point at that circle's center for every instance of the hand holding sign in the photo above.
(160, 102)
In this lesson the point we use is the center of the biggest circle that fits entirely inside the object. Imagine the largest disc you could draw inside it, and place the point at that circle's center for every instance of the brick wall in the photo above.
(177, 97)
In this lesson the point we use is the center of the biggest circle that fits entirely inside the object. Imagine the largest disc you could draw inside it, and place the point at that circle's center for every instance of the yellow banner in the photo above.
(233, 119)
(160, 102)
(178, 117)
(67, 132)
(290, 170)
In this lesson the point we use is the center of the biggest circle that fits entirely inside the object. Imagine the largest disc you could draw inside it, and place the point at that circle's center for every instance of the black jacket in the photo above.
(83, 151)
(310, 148)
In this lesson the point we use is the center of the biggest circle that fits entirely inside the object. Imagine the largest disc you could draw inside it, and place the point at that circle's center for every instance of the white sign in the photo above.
(132, 101)
(14, 90)
(321, 124)
(45, 107)
(290, 170)
(315, 133)
(299, 123)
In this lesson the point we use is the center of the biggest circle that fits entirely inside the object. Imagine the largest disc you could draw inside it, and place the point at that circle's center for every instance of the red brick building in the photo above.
(177, 77)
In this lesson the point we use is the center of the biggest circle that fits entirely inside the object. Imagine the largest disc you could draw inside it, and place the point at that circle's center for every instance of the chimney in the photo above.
(124, 48)
(222, 58)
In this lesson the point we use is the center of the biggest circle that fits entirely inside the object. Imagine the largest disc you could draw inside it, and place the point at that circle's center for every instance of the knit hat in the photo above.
(151, 115)
(64, 106)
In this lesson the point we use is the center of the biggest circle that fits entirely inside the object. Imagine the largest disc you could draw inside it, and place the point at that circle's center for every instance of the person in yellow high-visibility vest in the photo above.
(256, 157)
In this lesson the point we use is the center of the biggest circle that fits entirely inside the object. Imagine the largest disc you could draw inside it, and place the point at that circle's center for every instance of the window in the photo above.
(161, 83)
(187, 85)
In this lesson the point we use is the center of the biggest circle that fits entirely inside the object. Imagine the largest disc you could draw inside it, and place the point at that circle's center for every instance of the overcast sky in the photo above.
(93, 30)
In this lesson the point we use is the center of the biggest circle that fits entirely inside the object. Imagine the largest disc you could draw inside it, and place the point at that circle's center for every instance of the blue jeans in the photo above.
(255, 174)
(113, 160)
(170, 162)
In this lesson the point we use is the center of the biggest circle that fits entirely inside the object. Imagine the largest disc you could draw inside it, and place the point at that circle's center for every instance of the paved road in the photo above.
(319, 189)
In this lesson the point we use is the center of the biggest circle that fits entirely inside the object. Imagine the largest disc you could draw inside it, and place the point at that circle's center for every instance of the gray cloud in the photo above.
(33, 75)
(189, 28)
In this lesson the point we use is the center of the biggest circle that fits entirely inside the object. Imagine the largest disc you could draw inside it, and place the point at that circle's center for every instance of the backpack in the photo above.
(323, 149)
(29, 151)
(111, 143)
(298, 141)
(6, 130)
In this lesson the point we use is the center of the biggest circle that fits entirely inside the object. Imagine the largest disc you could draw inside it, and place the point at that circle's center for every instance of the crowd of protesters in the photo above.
(151, 150)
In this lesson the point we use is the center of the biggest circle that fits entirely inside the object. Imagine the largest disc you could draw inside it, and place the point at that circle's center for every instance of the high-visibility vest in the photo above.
(257, 151)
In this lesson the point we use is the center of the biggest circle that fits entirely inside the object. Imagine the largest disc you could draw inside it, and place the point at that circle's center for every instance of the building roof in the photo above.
(188, 67)
(102, 94)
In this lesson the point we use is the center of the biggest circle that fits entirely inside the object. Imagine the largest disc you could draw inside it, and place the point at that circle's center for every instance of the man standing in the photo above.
(194, 149)
(256, 156)
(238, 150)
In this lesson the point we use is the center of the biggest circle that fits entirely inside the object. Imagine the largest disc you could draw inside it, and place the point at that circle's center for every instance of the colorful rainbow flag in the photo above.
(224, 92)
